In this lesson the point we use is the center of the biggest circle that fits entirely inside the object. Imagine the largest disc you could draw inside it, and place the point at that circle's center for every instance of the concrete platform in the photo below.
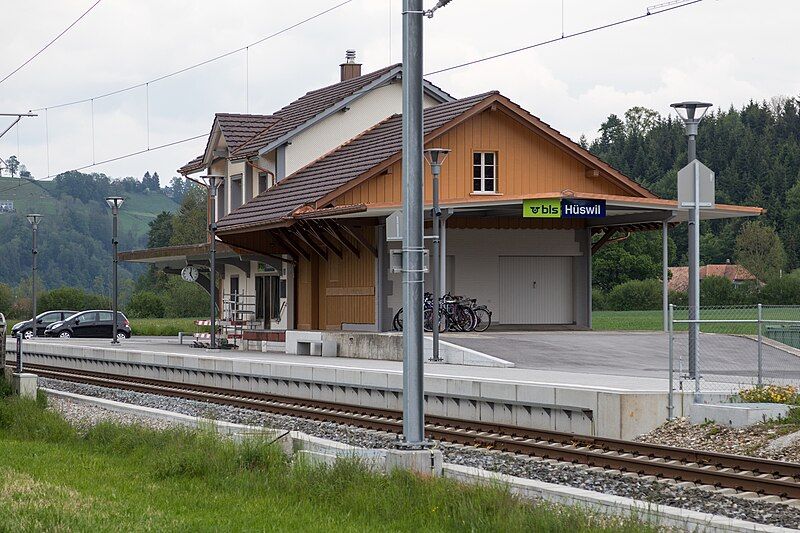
(578, 402)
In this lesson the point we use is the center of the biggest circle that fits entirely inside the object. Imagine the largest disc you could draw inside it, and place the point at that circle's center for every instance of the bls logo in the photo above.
(544, 210)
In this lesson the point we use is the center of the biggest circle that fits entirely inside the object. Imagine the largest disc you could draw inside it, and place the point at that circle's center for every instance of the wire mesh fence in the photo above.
(737, 347)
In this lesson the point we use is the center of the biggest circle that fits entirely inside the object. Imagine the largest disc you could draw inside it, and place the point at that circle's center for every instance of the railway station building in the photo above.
(302, 214)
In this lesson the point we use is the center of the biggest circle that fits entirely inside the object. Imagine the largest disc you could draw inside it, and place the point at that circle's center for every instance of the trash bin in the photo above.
(2, 342)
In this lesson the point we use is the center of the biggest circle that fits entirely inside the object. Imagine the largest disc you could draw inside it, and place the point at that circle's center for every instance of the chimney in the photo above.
(350, 69)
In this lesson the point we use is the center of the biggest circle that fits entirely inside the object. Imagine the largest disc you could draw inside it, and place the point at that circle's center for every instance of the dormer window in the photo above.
(237, 190)
(484, 172)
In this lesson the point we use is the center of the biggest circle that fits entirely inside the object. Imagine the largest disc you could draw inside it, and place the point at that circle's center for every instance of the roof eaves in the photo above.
(389, 75)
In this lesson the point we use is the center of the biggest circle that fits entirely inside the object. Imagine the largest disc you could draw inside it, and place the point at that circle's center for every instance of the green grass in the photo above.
(115, 478)
(164, 326)
(652, 320)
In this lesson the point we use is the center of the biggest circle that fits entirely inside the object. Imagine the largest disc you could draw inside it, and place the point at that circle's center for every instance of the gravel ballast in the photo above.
(608, 483)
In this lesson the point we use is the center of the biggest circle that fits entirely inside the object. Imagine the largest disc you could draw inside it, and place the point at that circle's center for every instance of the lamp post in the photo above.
(34, 219)
(114, 202)
(435, 157)
(691, 113)
(212, 183)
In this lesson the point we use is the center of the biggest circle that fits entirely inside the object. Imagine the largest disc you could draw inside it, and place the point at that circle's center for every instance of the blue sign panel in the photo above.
(574, 208)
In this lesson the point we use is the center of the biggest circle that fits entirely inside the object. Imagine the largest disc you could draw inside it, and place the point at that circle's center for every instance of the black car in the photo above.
(96, 323)
(42, 321)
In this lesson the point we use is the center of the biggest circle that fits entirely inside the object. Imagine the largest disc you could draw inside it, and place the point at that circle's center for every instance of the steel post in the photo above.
(34, 252)
(665, 273)
(213, 282)
(670, 396)
(114, 295)
(760, 347)
(19, 352)
(694, 288)
(437, 261)
(694, 266)
(413, 249)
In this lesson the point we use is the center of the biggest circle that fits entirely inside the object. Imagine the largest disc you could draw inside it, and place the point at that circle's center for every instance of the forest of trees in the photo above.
(755, 153)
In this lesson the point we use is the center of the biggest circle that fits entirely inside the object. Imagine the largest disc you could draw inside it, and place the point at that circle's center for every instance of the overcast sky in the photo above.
(724, 51)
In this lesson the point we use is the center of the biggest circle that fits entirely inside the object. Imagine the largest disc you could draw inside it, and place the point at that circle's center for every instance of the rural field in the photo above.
(124, 478)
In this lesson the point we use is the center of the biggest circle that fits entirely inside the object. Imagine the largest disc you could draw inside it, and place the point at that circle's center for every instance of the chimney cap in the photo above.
(350, 56)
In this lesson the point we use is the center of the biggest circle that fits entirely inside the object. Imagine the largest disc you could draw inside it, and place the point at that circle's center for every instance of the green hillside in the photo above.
(39, 196)
(75, 234)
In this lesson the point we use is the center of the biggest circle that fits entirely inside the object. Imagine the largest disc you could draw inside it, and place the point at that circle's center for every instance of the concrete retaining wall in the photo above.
(575, 409)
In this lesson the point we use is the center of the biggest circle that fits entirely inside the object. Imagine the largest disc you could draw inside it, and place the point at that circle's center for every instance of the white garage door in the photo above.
(536, 290)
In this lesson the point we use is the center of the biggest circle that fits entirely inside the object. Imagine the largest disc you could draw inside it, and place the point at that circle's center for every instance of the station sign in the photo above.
(563, 208)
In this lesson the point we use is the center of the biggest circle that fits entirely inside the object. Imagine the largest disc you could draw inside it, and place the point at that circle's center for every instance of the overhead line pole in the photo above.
(413, 249)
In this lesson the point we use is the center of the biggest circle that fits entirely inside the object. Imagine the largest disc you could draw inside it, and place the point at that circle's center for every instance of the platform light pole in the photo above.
(435, 157)
(212, 183)
(114, 202)
(34, 219)
(691, 113)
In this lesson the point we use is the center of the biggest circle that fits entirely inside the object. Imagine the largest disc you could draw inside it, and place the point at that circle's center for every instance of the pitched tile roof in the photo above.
(338, 167)
(306, 107)
(679, 276)
(238, 128)
(192, 166)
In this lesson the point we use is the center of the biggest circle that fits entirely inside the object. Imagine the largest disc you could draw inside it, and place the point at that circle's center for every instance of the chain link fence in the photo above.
(737, 347)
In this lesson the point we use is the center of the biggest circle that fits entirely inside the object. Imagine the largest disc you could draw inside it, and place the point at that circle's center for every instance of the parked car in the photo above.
(96, 323)
(42, 321)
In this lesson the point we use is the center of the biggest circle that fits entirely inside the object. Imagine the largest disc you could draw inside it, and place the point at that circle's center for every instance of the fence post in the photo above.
(760, 344)
(19, 352)
(670, 327)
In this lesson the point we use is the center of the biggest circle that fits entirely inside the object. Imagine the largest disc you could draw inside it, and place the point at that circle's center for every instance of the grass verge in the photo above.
(114, 478)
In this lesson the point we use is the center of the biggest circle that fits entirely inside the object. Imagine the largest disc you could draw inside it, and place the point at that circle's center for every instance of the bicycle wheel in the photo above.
(397, 322)
(465, 318)
(427, 322)
(484, 318)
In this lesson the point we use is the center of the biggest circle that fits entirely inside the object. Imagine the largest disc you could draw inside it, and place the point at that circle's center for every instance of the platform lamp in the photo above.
(691, 113)
(114, 202)
(435, 157)
(212, 183)
(34, 219)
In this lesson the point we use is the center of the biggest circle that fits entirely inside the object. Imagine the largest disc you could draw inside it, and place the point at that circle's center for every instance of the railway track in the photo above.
(747, 474)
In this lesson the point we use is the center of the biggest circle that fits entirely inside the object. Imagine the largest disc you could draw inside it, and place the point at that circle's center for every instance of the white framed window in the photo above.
(484, 172)
(237, 191)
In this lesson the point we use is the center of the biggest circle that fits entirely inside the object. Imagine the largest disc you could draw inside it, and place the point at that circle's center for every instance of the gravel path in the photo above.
(770, 441)
(532, 468)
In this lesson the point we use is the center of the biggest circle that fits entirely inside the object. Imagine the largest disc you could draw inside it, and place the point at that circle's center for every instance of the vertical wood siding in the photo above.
(527, 163)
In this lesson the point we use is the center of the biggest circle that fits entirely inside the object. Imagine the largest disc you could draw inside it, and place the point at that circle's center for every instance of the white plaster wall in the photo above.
(342, 126)
(477, 260)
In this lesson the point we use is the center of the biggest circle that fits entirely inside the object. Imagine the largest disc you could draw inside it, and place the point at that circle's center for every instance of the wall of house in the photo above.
(475, 265)
(342, 126)
(527, 163)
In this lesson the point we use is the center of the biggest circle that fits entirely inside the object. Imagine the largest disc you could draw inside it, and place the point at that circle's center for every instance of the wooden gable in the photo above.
(528, 163)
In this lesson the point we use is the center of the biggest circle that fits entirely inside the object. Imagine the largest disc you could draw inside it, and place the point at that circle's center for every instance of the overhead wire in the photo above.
(57, 37)
(563, 37)
(201, 63)
(438, 71)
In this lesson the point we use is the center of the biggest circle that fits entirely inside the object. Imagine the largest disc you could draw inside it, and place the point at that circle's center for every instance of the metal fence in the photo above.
(737, 347)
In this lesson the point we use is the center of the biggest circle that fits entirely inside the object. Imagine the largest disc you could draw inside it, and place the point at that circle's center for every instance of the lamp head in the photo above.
(115, 202)
(34, 219)
(436, 156)
(212, 183)
(688, 111)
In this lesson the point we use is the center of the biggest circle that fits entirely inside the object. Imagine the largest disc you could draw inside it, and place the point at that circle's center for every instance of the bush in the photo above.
(599, 300)
(679, 298)
(6, 299)
(72, 298)
(635, 296)
(145, 304)
(716, 291)
(781, 291)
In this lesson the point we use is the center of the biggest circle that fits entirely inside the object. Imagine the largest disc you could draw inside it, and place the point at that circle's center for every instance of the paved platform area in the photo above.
(573, 377)
(644, 354)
